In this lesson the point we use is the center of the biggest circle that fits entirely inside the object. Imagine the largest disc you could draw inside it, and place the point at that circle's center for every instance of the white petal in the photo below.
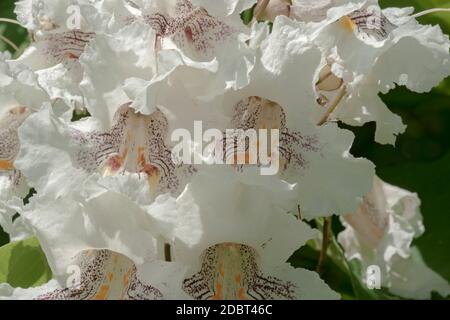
(9, 293)
(238, 213)
(66, 227)
(306, 285)
(381, 233)
(412, 278)
(106, 275)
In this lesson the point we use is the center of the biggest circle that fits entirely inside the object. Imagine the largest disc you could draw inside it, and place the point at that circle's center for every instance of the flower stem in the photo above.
(423, 13)
(9, 42)
(10, 21)
(326, 231)
(260, 8)
(167, 252)
(299, 213)
(330, 110)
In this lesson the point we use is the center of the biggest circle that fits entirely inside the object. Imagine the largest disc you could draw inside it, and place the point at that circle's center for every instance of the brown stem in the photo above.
(260, 8)
(330, 110)
(325, 243)
(167, 252)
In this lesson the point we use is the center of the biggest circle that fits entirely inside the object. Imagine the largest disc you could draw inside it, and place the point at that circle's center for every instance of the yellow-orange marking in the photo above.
(347, 23)
(103, 293)
(6, 165)
(219, 290)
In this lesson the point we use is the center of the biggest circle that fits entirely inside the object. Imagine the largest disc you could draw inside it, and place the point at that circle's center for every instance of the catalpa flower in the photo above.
(20, 95)
(161, 42)
(364, 48)
(364, 53)
(95, 216)
(379, 40)
(61, 31)
(101, 231)
(381, 233)
(12, 182)
(70, 153)
(99, 275)
(118, 68)
(234, 241)
(99, 242)
(190, 28)
(51, 15)
(304, 148)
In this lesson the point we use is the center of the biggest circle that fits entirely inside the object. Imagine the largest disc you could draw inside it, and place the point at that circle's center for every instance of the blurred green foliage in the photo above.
(419, 162)
(13, 32)
(23, 264)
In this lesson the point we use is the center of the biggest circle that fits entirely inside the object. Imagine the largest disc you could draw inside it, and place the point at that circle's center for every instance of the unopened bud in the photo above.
(270, 9)
(328, 81)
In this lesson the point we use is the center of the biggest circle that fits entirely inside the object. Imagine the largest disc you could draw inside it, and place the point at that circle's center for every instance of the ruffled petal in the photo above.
(101, 275)
(381, 233)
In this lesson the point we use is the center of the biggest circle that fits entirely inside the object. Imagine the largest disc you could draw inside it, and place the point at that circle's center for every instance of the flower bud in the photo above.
(328, 81)
(270, 9)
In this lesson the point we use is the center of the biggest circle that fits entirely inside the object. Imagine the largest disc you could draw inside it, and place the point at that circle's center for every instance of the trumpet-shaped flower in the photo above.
(381, 233)
(102, 275)
(61, 31)
(64, 155)
(314, 159)
(20, 95)
(12, 182)
(365, 51)
(234, 239)
(160, 42)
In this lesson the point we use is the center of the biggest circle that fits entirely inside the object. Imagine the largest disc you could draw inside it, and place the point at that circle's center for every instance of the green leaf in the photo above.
(247, 16)
(23, 264)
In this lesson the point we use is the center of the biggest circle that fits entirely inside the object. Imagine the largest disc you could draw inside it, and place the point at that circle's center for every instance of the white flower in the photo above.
(316, 160)
(235, 239)
(315, 11)
(367, 50)
(381, 233)
(103, 234)
(57, 44)
(103, 275)
(99, 242)
(117, 70)
(20, 95)
(19, 86)
(51, 15)
(74, 164)
(161, 42)
(58, 156)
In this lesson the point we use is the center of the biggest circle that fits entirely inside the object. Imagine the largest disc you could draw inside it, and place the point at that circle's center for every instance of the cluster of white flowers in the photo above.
(111, 197)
